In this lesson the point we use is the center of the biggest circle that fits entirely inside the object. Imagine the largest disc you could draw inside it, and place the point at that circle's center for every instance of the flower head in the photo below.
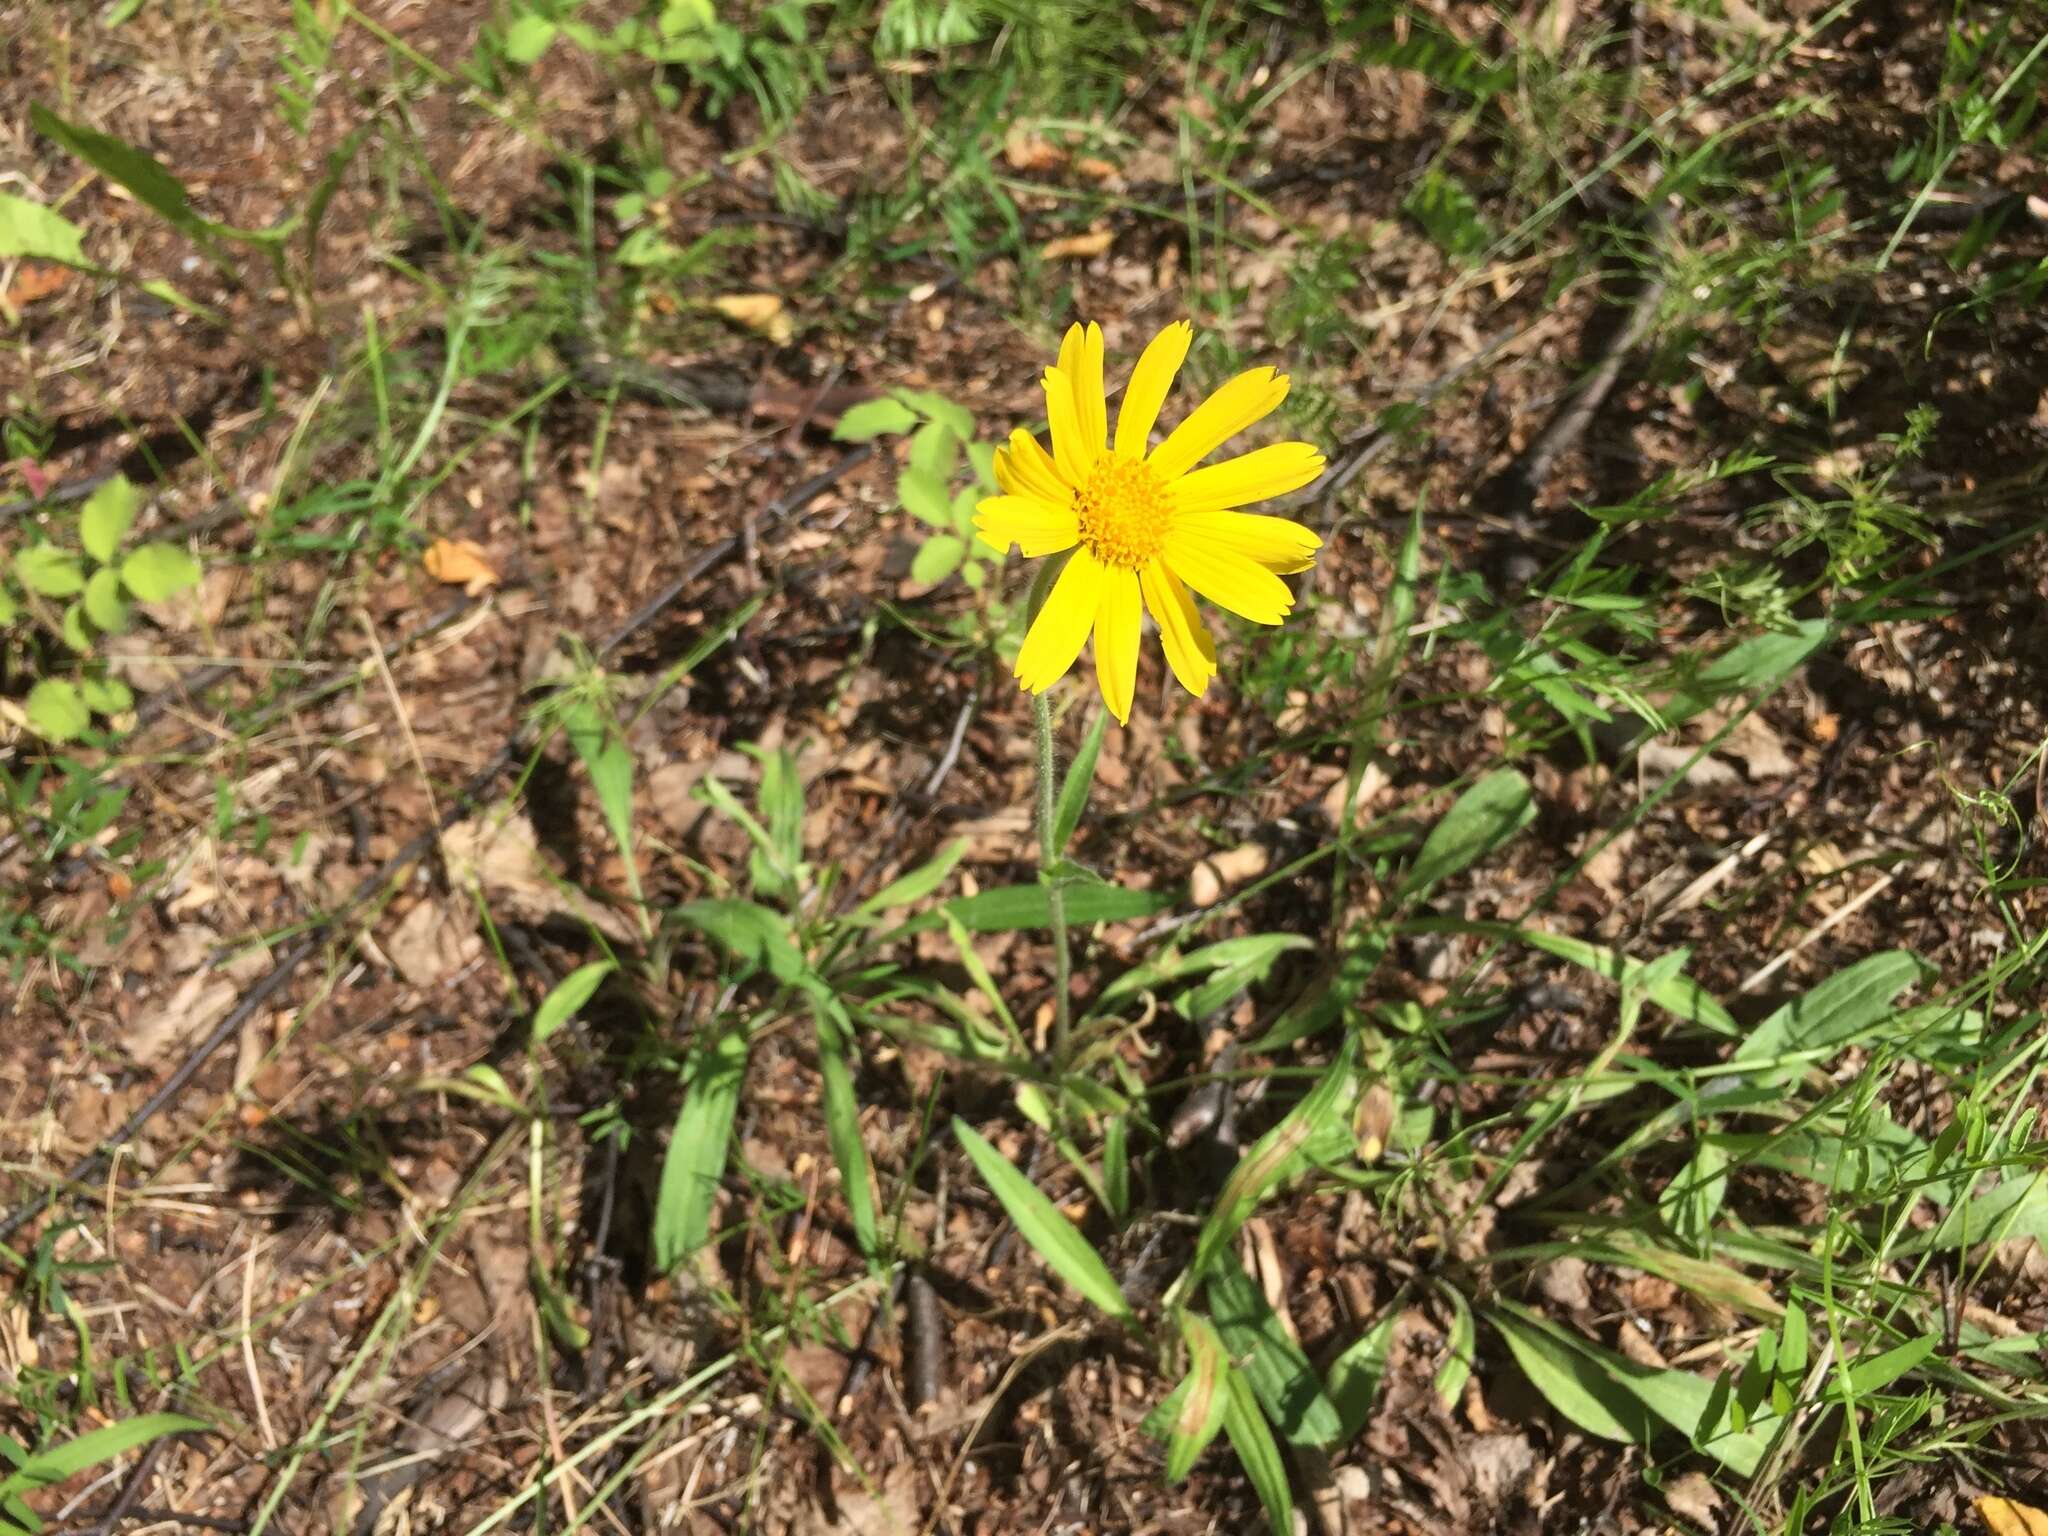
(1144, 524)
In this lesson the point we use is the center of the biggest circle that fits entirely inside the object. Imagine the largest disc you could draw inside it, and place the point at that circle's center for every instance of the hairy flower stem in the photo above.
(1048, 852)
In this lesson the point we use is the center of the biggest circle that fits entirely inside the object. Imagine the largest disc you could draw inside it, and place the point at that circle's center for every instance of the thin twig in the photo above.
(131, 1491)
(1355, 454)
(1572, 420)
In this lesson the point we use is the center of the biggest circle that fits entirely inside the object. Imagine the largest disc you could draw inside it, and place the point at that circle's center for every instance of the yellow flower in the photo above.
(1146, 524)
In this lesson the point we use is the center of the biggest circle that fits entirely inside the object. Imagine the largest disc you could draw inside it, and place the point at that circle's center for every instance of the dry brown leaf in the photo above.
(36, 280)
(762, 312)
(1760, 749)
(1371, 784)
(1028, 152)
(1693, 1496)
(1215, 875)
(1554, 26)
(460, 563)
(1078, 247)
(1665, 758)
(1094, 169)
(891, 1509)
(201, 1001)
(430, 944)
(500, 855)
(2009, 1517)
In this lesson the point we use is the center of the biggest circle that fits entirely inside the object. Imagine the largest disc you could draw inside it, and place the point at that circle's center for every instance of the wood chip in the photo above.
(460, 563)
(1078, 247)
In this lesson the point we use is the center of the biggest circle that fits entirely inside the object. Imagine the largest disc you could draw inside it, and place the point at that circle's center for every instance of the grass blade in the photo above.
(1074, 788)
(1258, 1453)
(1057, 1240)
(1280, 1375)
(1483, 818)
(698, 1148)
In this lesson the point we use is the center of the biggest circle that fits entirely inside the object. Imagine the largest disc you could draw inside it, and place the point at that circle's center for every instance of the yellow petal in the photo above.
(1151, 382)
(1070, 450)
(1228, 579)
(1025, 521)
(1026, 469)
(1244, 400)
(1249, 477)
(1069, 360)
(1275, 542)
(1034, 526)
(1062, 625)
(1182, 634)
(1090, 402)
(1117, 616)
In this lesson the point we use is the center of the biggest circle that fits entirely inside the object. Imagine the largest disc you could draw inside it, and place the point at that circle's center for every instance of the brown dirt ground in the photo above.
(1848, 778)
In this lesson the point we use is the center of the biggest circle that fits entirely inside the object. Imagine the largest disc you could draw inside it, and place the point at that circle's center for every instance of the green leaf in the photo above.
(761, 863)
(1277, 1155)
(1009, 907)
(941, 410)
(781, 799)
(1189, 1416)
(1225, 955)
(1874, 1373)
(925, 497)
(1692, 1199)
(1571, 1383)
(73, 629)
(609, 762)
(30, 229)
(1610, 1395)
(8, 607)
(105, 695)
(103, 603)
(1678, 995)
(966, 502)
(56, 710)
(156, 571)
(1459, 1346)
(749, 932)
(1355, 1375)
(1758, 663)
(61, 1463)
(1073, 800)
(1258, 1453)
(1041, 1224)
(106, 517)
(1397, 616)
(938, 558)
(978, 972)
(1484, 817)
(1261, 952)
(1280, 1374)
(935, 451)
(698, 1148)
(1848, 1006)
(567, 998)
(905, 890)
(135, 169)
(842, 1125)
(50, 570)
(528, 38)
(871, 419)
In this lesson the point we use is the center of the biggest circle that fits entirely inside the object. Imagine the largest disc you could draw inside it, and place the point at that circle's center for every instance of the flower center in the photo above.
(1124, 510)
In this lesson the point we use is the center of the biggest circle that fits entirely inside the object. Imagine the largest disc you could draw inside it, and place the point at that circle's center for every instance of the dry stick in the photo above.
(131, 1491)
(1570, 423)
(89, 1167)
(1355, 454)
